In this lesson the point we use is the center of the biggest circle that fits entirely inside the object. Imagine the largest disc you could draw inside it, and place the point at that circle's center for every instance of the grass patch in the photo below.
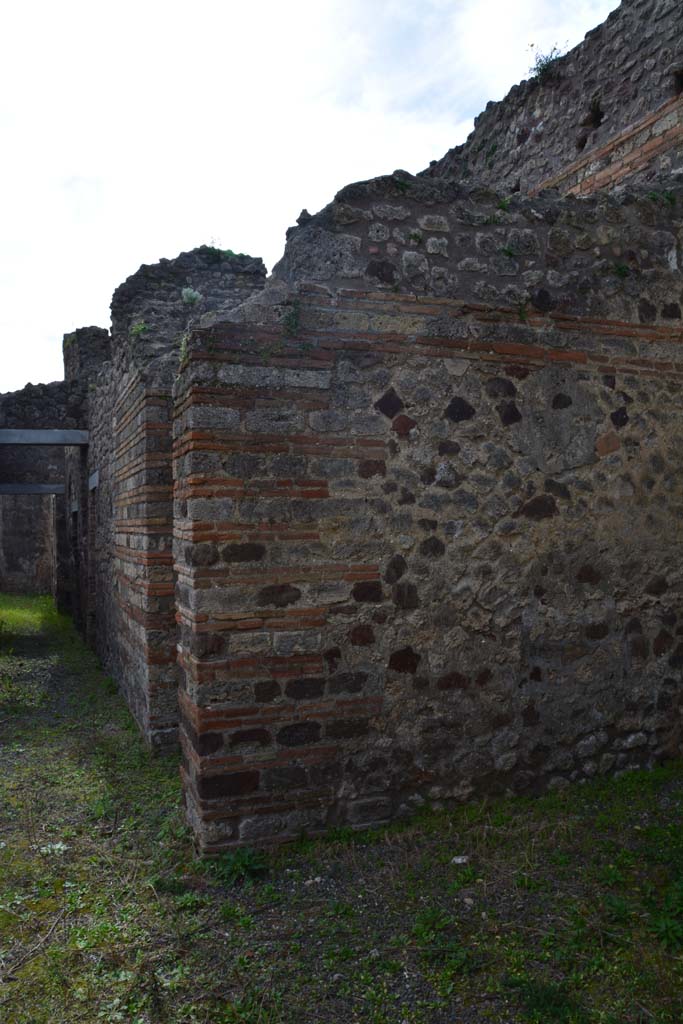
(564, 909)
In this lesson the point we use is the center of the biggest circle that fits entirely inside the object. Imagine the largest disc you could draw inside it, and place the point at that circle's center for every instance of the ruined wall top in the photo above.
(626, 68)
(152, 307)
(55, 406)
(612, 255)
(84, 351)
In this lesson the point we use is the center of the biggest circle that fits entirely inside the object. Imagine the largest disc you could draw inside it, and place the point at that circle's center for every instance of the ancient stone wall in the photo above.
(611, 110)
(84, 351)
(426, 511)
(402, 521)
(129, 474)
(28, 544)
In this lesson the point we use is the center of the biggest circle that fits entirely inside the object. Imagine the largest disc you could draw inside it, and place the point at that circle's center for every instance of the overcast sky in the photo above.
(134, 130)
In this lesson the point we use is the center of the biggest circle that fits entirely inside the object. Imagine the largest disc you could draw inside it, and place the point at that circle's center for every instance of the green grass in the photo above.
(569, 908)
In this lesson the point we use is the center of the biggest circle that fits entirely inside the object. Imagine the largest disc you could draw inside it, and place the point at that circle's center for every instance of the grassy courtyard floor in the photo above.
(566, 909)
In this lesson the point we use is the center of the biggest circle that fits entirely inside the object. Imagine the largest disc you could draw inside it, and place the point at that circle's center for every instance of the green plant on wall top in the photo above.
(138, 329)
(216, 255)
(544, 67)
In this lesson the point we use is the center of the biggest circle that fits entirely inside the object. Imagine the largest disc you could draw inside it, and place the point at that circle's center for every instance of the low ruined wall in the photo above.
(428, 547)
(603, 113)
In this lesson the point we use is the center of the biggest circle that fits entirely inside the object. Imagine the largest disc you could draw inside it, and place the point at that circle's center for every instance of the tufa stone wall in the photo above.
(130, 576)
(609, 110)
(29, 542)
(27, 539)
(426, 508)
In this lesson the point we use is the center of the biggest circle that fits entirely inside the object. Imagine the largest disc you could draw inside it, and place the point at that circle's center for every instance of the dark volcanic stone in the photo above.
(267, 691)
(299, 734)
(206, 743)
(362, 635)
(500, 387)
(371, 467)
(305, 689)
(332, 656)
(395, 569)
(509, 413)
(459, 409)
(383, 270)
(541, 507)
(432, 547)
(619, 417)
(406, 497)
(243, 552)
(640, 647)
(203, 553)
(542, 300)
(647, 312)
(347, 728)
(403, 424)
(248, 736)
(558, 489)
(448, 447)
(561, 401)
(405, 660)
(348, 682)
(588, 574)
(369, 591)
(657, 586)
(663, 642)
(389, 404)
(279, 595)
(214, 787)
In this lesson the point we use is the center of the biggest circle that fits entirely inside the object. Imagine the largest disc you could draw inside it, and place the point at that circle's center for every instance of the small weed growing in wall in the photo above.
(522, 312)
(401, 185)
(138, 329)
(504, 204)
(291, 322)
(543, 66)
(271, 350)
(662, 197)
(510, 253)
(621, 270)
(191, 296)
(216, 255)
(416, 236)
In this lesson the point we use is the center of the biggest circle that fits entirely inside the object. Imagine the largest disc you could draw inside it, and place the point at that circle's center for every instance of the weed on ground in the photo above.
(564, 909)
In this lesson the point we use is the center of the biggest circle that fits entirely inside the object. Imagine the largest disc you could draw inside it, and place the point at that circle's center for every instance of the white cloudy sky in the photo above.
(136, 129)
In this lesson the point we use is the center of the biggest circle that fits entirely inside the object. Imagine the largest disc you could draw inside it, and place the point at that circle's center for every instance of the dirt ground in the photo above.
(565, 909)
